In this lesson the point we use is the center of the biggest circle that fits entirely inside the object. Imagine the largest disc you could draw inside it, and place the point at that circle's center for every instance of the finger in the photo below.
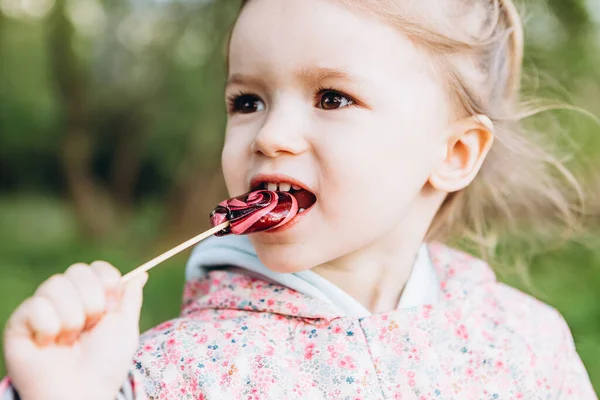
(91, 292)
(111, 280)
(44, 321)
(108, 274)
(65, 299)
(132, 298)
(36, 318)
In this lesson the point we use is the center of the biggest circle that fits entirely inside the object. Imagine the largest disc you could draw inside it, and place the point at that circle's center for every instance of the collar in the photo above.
(421, 288)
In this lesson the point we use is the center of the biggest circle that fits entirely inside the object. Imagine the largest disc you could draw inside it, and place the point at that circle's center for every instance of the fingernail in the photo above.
(92, 321)
(67, 338)
(42, 341)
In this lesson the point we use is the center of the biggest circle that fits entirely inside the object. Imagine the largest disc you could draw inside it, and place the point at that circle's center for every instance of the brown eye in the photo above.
(246, 104)
(333, 100)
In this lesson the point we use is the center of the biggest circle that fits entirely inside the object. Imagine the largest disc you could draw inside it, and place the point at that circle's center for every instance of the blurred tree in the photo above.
(92, 203)
(135, 99)
(119, 103)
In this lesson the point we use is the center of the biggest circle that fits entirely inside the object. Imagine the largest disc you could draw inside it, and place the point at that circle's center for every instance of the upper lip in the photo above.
(277, 178)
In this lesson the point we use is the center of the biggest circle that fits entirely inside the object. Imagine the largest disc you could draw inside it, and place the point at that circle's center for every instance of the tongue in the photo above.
(305, 198)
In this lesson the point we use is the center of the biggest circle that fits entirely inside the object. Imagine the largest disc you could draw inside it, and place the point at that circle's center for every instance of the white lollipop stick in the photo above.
(175, 250)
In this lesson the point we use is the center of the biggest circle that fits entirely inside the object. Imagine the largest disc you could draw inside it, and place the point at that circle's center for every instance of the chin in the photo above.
(284, 258)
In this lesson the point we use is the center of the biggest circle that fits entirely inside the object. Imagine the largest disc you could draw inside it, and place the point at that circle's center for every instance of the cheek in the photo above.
(378, 168)
(409, 142)
(235, 163)
(381, 152)
(407, 131)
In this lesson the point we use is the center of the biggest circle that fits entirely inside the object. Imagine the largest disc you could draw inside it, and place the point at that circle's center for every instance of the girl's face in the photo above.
(342, 105)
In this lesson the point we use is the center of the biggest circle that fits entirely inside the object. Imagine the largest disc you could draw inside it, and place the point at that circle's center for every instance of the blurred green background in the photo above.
(112, 120)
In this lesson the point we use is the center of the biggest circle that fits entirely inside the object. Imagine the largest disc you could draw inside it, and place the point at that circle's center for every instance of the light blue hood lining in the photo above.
(237, 251)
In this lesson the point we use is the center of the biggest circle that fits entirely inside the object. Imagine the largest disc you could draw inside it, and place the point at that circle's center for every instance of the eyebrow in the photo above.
(311, 75)
(241, 79)
(318, 74)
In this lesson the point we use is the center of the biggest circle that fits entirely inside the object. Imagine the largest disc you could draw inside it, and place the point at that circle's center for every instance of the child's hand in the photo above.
(75, 338)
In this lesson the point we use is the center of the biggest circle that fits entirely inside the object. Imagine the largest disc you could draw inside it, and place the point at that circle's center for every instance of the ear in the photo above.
(469, 141)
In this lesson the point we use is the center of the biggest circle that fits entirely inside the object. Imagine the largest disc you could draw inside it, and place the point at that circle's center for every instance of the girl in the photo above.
(385, 111)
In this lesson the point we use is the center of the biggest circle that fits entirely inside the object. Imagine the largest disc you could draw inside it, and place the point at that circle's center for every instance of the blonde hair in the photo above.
(478, 46)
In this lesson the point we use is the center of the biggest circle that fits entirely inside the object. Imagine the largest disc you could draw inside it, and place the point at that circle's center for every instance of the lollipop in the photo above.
(256, 211)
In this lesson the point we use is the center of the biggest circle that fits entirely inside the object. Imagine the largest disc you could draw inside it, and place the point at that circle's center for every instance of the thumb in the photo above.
(132, 298)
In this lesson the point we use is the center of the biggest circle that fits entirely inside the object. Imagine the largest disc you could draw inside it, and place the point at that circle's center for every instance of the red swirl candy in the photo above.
(257, 211)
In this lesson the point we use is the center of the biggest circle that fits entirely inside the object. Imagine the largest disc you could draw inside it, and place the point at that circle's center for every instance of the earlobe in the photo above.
(468, 144)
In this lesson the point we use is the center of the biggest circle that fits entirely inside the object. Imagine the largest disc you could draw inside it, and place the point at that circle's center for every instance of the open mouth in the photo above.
(305, 198)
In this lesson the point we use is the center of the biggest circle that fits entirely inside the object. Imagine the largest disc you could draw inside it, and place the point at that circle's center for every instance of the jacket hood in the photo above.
(225, 273)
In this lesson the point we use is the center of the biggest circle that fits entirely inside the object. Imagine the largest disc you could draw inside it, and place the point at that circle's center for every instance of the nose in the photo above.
(281, 134)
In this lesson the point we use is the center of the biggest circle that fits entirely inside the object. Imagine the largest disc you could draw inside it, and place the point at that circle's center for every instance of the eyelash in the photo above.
(322, 90)
(233, 98)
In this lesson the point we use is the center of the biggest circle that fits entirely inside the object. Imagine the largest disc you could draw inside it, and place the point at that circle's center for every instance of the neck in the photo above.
(377, 283)
(376, 274)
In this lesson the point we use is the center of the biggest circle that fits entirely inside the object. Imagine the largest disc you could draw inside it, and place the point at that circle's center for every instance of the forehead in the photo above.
(272, 36)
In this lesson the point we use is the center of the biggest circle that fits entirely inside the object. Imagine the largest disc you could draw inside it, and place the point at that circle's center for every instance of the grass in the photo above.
(38, 237)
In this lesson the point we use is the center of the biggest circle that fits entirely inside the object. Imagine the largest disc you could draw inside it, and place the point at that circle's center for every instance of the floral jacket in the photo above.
(240, 337)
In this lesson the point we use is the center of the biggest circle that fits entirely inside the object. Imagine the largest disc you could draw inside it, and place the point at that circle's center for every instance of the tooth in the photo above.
(296, 187)
(301, 210)
(272, 186)
(285, 187)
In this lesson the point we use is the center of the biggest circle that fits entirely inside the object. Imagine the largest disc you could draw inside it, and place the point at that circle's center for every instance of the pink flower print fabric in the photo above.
(239, 337)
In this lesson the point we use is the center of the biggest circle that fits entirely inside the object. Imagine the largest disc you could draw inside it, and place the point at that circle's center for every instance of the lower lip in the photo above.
(297, 219)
